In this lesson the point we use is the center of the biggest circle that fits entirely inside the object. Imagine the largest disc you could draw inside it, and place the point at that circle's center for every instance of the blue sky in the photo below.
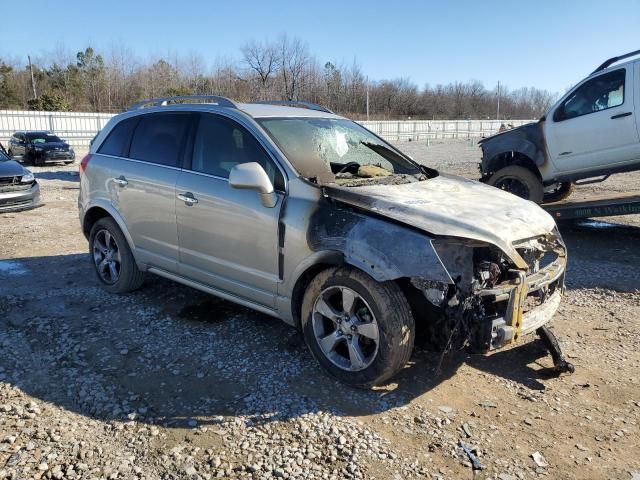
(547, 44)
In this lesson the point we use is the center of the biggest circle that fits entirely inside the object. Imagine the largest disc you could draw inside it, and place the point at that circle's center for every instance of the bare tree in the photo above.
(282, 69)
(263, 58)
(294, 61)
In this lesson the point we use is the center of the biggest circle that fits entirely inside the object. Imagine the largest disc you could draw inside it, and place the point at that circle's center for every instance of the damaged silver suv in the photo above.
(302, 214)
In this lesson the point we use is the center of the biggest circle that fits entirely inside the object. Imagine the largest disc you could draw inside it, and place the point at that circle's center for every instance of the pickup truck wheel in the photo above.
(112, 258)
(361, 331)
(519, 181)
(559, 191)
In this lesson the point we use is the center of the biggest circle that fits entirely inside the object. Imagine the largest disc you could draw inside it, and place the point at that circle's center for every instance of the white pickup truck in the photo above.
(590, 133)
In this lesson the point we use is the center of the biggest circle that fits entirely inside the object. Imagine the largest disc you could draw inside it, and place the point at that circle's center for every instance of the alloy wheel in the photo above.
(345, 328)
(106, 256)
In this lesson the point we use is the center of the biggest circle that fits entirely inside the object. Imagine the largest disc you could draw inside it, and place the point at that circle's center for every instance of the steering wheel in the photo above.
(348, 166)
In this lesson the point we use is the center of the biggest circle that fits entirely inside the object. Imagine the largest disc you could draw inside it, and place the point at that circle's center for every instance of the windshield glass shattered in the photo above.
(340, 151)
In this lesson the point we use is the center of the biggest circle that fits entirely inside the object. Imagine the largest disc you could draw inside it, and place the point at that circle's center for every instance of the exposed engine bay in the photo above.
(491, 303)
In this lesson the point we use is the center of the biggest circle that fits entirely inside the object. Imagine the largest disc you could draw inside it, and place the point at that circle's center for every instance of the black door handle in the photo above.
(620, 115)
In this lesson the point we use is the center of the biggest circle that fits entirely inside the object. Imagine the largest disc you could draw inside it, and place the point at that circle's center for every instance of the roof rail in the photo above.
(161, 101)
(613, 60)
(292, 103)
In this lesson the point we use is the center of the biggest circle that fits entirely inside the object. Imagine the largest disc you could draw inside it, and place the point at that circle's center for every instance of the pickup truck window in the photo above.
(599, 93)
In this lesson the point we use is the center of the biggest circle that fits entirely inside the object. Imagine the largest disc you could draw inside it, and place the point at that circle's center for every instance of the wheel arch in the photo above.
(101, 210)
(382, 250)
(523, 146)
(303, 281)
(506, 159)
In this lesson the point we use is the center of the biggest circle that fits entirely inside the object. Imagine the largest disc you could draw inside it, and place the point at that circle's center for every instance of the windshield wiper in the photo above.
(378, 147)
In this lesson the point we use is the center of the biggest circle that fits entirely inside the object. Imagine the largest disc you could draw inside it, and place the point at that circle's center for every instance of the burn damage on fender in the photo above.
(465, 291)
(374, 245)
(518, 146)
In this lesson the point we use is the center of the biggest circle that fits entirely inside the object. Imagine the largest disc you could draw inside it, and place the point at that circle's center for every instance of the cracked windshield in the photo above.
(339, 151)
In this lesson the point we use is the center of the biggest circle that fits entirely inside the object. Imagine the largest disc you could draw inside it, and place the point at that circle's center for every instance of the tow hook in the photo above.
(560, 364)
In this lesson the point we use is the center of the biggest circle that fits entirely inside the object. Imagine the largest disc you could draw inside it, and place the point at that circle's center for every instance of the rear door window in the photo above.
(159, 138)
(117, 141)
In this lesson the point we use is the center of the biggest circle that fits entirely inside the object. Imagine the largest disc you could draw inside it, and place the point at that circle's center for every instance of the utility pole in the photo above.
(367, 99)
(498, 111)
(33, 81)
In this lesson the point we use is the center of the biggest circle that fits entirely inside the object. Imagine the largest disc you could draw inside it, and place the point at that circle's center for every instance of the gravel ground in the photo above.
(170, 383)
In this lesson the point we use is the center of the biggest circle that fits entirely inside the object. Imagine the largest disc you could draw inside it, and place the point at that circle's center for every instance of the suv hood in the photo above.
(10, 168)
(454, 207)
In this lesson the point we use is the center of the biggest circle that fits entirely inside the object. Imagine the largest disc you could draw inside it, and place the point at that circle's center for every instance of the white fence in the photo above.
(75, 127)
(430, 129)
(79, 128)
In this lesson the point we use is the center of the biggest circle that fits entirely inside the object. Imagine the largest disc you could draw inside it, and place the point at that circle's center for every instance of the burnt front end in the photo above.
(519, 302)
(490, 302)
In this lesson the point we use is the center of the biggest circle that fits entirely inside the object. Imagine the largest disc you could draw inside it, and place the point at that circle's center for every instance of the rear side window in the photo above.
(159, 137)
(221, 144)
(118, 140)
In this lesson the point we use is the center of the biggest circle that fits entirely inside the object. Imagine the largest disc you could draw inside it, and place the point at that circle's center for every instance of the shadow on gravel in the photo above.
(172, 355)
(63, 175)
(602, 255)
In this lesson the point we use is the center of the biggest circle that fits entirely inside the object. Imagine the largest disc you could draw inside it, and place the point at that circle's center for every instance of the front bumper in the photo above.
(50, 156)
(15, 198)
(524, 304)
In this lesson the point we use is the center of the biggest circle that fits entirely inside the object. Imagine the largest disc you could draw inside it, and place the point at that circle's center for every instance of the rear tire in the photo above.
(112, 258)
(564, 190)
(362, 345)
(519, 181)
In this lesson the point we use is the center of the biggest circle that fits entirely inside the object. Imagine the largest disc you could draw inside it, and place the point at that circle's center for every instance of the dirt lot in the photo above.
(171, 383)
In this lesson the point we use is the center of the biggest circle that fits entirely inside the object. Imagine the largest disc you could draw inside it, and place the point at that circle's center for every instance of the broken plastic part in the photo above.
(560, 364)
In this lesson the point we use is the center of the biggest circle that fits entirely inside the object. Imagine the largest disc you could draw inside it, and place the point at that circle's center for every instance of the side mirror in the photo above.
(251, 176)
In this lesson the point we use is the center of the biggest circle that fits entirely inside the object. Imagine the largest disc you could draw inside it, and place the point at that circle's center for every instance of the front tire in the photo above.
(519, 181)
(360, 331)
(563, 190)
(112, 258)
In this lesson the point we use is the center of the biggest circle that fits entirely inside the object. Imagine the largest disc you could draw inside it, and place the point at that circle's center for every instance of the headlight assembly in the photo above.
(28, 177)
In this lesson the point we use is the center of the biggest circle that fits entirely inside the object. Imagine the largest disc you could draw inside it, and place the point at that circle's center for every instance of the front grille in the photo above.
(15, 188)
(10, 180)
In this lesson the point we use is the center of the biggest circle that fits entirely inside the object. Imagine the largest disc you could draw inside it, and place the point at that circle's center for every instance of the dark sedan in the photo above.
(39, 148)
(18, 187)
